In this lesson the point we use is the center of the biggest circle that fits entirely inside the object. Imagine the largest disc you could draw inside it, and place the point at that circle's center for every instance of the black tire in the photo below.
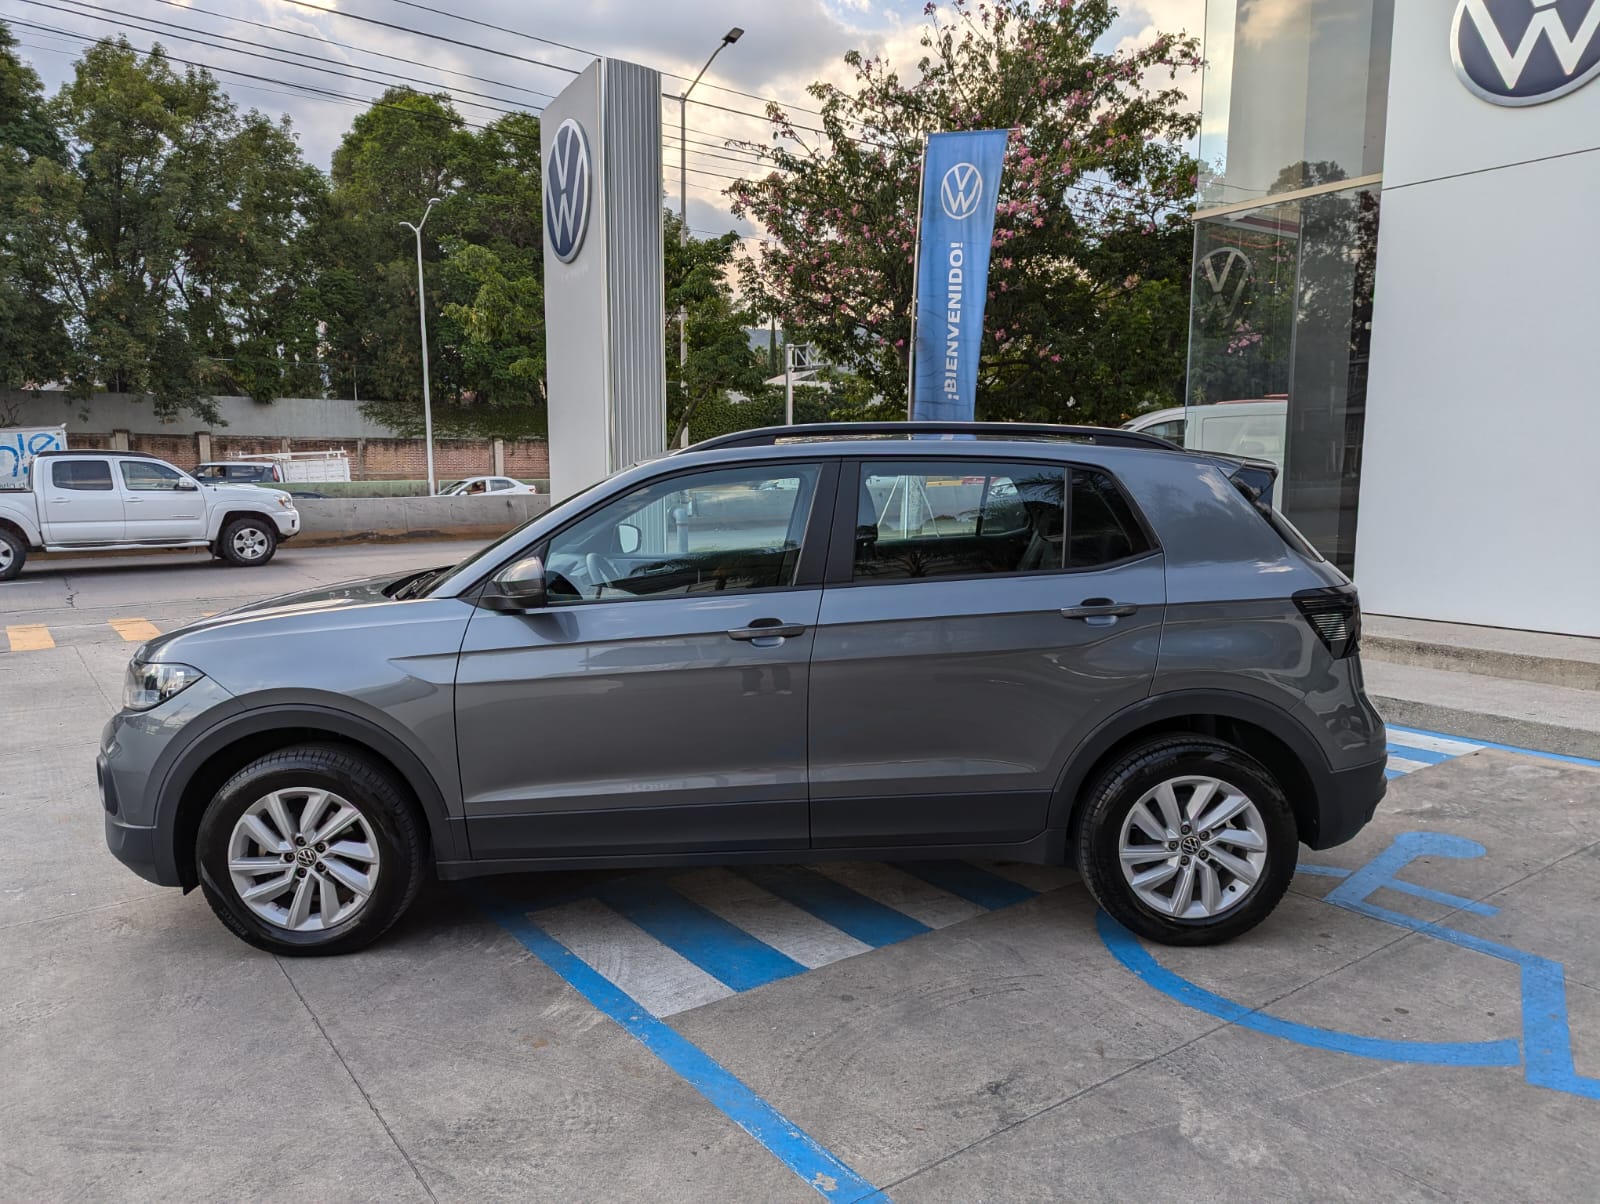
(1114, 793)
(13, 552)
(383, 805)
(243, 534)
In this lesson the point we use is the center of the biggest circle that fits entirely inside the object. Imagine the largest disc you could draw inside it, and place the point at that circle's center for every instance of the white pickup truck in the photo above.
(80, 501)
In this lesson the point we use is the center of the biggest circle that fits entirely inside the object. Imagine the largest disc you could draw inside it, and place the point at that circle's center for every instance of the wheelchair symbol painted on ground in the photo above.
(1545, 1048)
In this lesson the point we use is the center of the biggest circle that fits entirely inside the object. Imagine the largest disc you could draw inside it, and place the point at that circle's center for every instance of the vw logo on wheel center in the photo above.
(961, 190)
(1525, 52)
(568, 184)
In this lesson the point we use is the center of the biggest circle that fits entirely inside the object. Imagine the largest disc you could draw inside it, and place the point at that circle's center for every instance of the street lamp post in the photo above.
(422, 315)
(728, 39)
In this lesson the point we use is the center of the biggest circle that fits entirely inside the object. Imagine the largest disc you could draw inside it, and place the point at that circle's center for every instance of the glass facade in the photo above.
(1286, 245)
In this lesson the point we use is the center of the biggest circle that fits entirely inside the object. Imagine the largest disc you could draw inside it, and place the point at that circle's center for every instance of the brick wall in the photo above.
(370, 459)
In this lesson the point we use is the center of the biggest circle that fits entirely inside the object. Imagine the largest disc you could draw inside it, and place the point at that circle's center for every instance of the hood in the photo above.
(323, 600)
(247, 492)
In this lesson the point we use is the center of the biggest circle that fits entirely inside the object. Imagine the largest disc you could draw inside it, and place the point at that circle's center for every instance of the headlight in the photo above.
(286, 501)
(149, 686)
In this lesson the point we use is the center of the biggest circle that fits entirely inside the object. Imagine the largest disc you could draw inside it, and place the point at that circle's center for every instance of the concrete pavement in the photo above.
(996, 1042)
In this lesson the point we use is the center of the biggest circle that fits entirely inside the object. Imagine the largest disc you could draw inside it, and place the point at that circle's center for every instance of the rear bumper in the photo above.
(1346, 801)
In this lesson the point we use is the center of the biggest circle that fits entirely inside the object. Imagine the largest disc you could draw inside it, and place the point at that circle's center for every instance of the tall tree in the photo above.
(168, 231)
(1088, 286)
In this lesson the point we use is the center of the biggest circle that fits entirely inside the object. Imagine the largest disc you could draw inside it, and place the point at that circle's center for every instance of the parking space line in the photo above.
(869, 921)
(29, 637)
(662, 980)
(988, 891)
(1414, 736)
(904, 892)
(1423, 756)
(1431, 741)
(1402, 765)
(816, 1166)
(135, 631)
(727, 953)
(788, 929)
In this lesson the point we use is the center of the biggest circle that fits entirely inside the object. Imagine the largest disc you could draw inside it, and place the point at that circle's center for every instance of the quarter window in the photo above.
(709, 532)
(1103, 527)
(955, 518)
(80, 474)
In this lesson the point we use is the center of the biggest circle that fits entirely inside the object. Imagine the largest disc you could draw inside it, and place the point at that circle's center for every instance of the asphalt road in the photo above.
(1420, 1020)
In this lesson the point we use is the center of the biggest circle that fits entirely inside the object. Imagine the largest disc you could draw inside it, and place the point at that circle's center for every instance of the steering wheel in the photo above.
(601, 571)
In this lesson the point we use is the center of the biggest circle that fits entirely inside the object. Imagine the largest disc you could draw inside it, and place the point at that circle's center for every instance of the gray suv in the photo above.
(1049, 644)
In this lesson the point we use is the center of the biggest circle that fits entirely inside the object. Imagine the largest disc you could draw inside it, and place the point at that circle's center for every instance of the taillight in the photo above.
(1335, 615)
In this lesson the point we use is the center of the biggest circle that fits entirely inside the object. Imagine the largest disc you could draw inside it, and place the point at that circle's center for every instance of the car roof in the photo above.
(56, 452)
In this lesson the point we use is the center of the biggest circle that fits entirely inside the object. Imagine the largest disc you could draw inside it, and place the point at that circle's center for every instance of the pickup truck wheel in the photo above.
(248, 541)
(12, 554)
(1186, 840)
(310, 850)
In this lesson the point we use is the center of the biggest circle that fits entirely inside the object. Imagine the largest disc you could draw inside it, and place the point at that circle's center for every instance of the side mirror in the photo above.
(628, 538)
(186, 486)
(519, 587)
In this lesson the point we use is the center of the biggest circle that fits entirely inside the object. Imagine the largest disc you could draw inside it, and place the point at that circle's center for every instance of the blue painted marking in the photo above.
(1527, 752)
(1125, 947)
(971, 883)
(1321, 871)
(817, 1167)
(1392, 774)
(869, 921)
(1406, 888)
(1425, 755)
(727, 953)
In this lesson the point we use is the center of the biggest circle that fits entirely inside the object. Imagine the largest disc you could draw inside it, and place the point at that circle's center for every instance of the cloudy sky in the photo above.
(539, 46)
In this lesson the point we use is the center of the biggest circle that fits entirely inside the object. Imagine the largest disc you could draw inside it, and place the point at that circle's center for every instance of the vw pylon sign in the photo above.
(568, 176)
(1525, 52)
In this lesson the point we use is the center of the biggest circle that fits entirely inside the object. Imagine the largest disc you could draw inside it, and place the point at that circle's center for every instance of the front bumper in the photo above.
(288, 524)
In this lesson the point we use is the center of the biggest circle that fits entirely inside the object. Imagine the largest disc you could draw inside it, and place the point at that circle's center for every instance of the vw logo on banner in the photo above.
(568, 183)
(1525, 52)
(1226, 273)
(961, 191)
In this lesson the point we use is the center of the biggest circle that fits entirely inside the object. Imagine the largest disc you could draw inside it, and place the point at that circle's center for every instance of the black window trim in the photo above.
(814, 540)
(842, 542)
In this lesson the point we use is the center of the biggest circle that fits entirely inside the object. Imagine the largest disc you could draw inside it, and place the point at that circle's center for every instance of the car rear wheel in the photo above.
(13, 552)
(310, 850)
(248, 541)
(1186, 840)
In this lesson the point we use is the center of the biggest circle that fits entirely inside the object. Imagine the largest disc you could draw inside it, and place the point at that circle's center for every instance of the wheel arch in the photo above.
(231, 516)
(201, 768)
(1265, 732)
(14, 526)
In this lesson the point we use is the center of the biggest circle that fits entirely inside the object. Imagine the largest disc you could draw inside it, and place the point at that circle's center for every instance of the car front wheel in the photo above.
(310, 850)
(248, 541)
(1186, 840)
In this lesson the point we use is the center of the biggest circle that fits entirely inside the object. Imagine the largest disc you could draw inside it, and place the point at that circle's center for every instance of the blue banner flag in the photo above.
(960, 185)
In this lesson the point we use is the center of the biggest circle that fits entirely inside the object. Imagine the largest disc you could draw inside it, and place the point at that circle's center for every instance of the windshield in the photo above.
(452, 487)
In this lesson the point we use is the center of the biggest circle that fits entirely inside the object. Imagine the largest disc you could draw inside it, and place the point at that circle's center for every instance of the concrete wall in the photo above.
(1479, 490)
(339, 520)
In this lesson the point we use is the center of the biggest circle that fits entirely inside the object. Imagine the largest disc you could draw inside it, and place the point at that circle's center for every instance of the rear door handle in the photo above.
(763, 629)
(1099, 608)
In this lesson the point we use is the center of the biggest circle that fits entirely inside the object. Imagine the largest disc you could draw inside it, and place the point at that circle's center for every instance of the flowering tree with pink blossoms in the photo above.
(1089, 283)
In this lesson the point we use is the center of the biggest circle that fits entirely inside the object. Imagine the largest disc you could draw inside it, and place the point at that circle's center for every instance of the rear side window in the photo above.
(1104, 529)
(958, 519)
(81, 474)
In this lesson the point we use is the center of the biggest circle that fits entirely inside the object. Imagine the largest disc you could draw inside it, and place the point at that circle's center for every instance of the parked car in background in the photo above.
(104, 501)
(477, 485)
(236, 472)
(1122, 660)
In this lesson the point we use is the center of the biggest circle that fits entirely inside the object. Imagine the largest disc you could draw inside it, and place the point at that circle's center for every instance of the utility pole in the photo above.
(422, 314)
(728, 39)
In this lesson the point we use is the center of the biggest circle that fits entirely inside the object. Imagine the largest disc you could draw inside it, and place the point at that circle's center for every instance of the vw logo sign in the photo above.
(1525, 52)
(568, 183)
(962, 189)
(1222, 275)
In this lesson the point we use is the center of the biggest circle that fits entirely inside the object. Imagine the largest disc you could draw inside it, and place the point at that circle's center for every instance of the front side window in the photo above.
(144, 476)
(704, 532)
(81, 474)
(958, 518)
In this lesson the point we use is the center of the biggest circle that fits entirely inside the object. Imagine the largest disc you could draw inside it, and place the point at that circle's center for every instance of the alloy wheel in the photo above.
(1193, 847)
(303, 859)
(250, 543)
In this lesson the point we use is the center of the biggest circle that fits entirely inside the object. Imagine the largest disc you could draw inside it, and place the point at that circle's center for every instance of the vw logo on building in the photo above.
(568, 184)
(1222, 276)
(961, 190)
(1525, 52)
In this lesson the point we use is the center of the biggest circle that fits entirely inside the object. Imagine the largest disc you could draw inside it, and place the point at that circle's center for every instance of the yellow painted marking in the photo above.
(206, 614)
(135, 631)
(29, 637)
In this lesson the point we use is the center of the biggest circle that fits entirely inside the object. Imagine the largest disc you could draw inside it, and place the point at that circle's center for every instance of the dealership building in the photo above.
(1399, 232)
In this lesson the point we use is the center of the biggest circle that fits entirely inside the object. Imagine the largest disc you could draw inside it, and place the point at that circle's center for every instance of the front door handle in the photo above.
(765, 629)
(1099, 608)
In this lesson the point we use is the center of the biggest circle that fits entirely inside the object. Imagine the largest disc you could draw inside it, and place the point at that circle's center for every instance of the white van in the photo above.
(1241, 428)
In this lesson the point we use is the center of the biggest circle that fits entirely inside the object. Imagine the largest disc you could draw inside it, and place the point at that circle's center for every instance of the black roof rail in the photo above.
(768, 435)
(94, 451)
